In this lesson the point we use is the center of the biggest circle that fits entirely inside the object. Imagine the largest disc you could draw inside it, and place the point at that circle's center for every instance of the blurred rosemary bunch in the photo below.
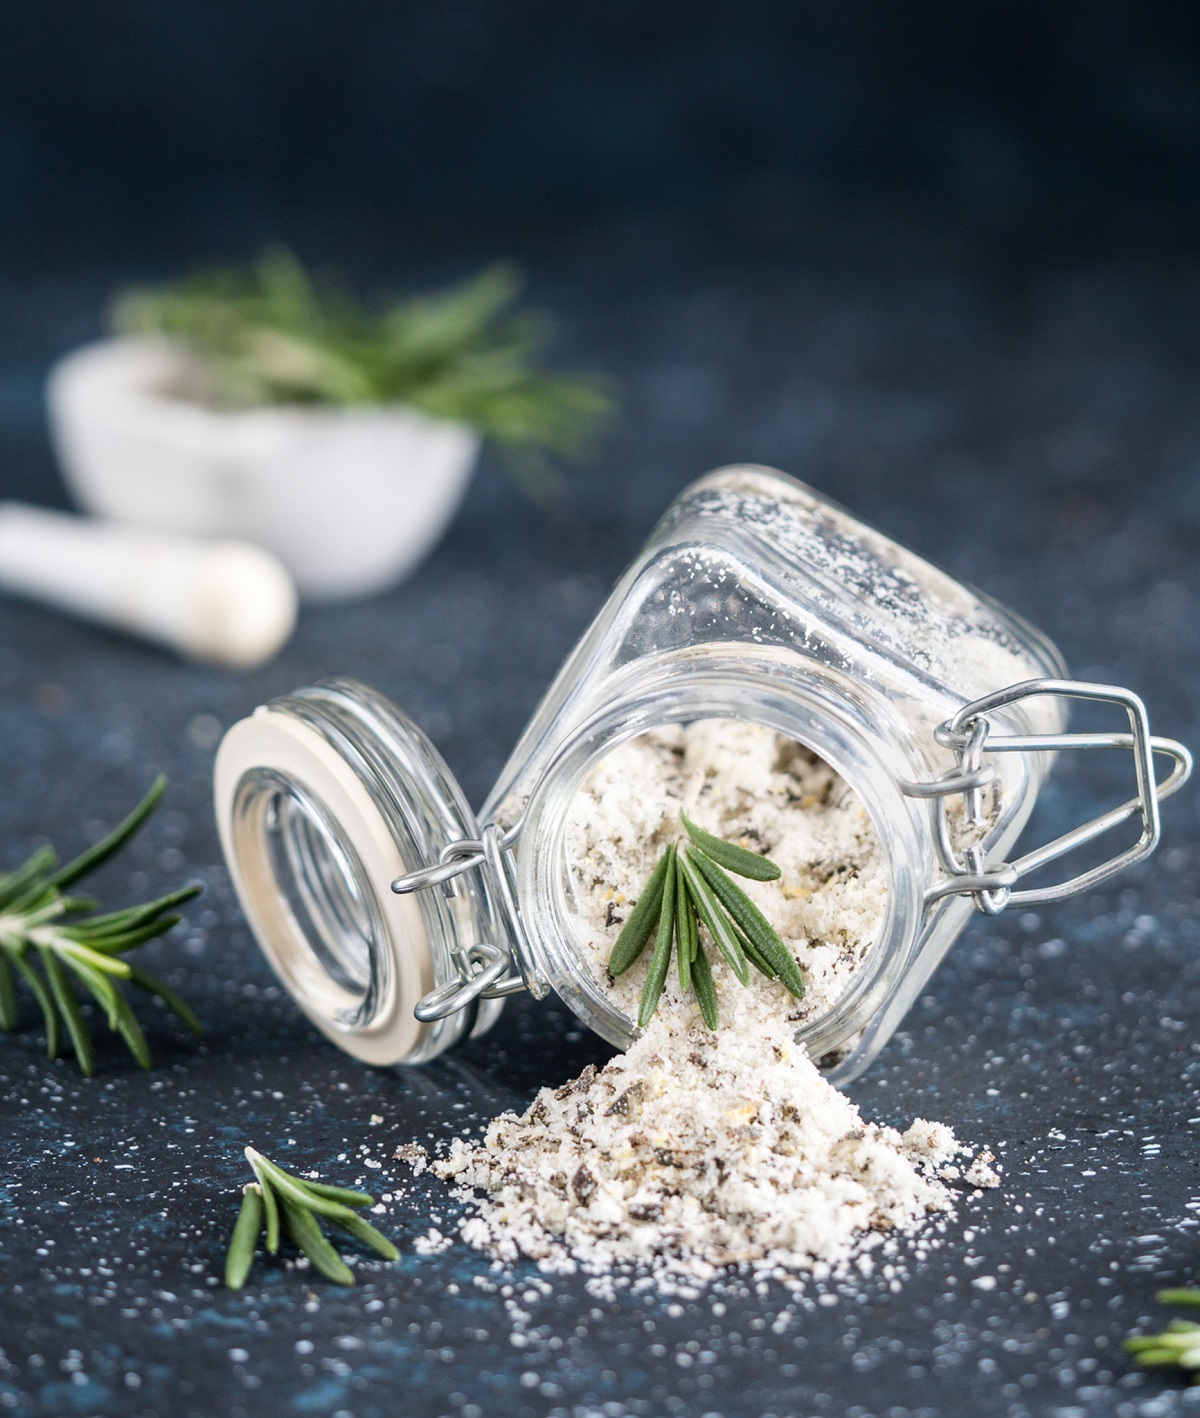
(1175, 1347)
(270, 333)
(57, 944)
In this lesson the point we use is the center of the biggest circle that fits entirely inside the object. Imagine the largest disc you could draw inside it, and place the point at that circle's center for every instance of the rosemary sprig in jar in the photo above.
(690, 886)
(42, 927)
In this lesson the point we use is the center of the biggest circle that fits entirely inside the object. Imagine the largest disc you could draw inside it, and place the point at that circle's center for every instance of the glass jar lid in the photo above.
(323, 797)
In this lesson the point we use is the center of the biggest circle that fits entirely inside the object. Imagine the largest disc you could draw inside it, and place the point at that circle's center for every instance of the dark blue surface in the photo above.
(1028, 421)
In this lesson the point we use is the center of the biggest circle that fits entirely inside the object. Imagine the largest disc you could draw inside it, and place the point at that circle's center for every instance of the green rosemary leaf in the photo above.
(244, 1240)
(8, 994)
(76, 905)
(431, 328)
(42, 995)
(120, 1016)
(271, 1208)
(660, 961)
(96, 928)
(112, 842)
(706, 993)
(129, 940)
(752, 921)
(270, 1205)
(753, 954)
(1156, 1357)
(120, 922)
(729, 855)
(685, 928)
(94, 959)
(39, 903)
(714, 917)
(304, 1230)
(363, 1231)
(14, 884)
(171, 998)
(68, 1007)
(1177, 1346)
(131, 1031)
(1169, 1339)
(638, 929)
(100, 986)
(348, 1196)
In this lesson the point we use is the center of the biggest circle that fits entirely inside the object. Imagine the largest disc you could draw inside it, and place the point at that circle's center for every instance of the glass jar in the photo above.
(399, 922)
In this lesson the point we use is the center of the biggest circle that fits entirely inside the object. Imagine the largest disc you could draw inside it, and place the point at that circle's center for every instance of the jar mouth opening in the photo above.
(323, 799)
(815, 712)
(325, 937)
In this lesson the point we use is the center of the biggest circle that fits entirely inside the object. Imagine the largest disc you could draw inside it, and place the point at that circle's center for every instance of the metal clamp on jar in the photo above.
(400, 923)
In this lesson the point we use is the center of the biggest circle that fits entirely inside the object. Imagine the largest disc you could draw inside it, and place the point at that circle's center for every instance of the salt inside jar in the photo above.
(400, 922)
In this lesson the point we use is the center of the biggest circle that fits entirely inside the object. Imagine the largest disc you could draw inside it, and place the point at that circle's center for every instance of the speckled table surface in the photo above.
(1031, 425)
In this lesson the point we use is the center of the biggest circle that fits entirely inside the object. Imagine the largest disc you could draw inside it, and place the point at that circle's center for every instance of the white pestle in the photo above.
(225, 602)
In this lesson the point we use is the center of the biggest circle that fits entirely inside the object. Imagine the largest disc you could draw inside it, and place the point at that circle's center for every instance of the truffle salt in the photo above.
(694, 1151)
(700, 1149)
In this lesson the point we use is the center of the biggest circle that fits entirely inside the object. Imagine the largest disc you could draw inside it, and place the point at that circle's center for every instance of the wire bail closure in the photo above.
(491, 971)
(968, 733)
(485, 970)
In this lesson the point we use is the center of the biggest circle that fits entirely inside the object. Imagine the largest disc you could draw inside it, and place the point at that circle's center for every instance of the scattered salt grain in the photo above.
(433, 1243)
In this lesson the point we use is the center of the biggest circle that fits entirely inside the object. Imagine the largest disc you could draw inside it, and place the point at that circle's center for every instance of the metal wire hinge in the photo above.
(485, 970)
(969, 735)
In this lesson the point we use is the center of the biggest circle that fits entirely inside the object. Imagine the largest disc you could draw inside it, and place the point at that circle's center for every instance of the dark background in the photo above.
(993, 112)
(939, 260)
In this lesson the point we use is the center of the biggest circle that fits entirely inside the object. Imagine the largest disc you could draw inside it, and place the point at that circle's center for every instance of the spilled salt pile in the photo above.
(693, 1152)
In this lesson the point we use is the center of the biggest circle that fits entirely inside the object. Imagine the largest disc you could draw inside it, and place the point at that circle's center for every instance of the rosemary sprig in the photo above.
(271, 334)
(1177, 1346)
(276, 1197)
(689, 887)
(40, 926)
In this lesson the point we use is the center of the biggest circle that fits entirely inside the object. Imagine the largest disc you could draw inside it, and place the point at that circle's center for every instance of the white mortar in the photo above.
(350, 499)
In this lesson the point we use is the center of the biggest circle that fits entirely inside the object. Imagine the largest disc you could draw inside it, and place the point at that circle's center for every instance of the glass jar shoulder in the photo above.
(819, 558)
(748, 556)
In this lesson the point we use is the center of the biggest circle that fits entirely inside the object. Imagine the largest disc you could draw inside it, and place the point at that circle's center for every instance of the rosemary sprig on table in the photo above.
(278, 1200)
(690, 886)
(42, 927)
(1177, 1346)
